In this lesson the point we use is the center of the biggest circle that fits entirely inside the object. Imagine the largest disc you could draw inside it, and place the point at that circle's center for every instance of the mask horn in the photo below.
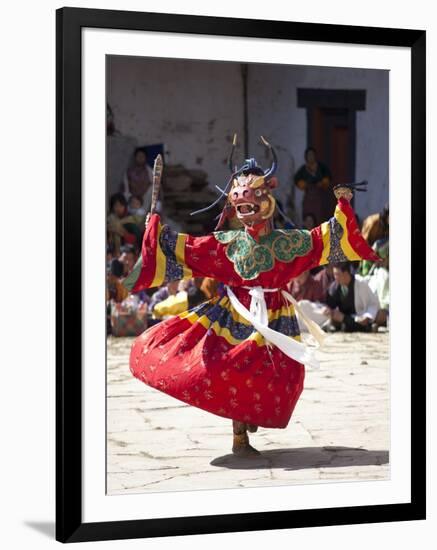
(271, 171)
(231, 154)
(223, 192)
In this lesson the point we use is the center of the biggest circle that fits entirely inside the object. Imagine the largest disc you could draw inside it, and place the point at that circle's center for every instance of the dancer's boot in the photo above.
(241, 446)
(251, 428)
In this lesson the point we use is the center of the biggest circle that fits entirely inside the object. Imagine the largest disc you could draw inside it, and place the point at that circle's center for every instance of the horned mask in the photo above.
(248, 191)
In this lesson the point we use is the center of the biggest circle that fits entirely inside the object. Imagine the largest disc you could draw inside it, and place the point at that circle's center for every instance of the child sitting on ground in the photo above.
(137, 210)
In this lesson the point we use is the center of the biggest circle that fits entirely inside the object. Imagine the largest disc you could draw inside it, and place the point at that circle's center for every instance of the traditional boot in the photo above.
(251, 428)
(241, 446)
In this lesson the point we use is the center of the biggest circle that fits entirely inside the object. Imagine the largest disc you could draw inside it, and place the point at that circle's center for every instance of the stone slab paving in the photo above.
(339, 430)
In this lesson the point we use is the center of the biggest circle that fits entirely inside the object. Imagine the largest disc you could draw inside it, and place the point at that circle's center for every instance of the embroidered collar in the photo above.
(251, 257)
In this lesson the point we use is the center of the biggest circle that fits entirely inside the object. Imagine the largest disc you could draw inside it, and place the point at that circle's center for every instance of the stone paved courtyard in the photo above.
(338, 431)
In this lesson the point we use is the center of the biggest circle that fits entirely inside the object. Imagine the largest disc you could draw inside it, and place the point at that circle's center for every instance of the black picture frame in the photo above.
(69, 525)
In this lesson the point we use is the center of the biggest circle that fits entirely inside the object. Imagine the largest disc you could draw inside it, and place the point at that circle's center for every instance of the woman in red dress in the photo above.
(239, 355)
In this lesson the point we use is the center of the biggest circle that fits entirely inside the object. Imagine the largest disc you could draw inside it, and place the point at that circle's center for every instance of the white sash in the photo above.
(258, 317)
(313, 328)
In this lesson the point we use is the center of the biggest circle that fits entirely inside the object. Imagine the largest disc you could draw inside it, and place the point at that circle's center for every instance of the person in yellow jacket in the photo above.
(173, 305)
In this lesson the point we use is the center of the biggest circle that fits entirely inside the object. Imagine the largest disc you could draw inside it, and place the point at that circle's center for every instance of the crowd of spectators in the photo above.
(350, 296)
(346, 297)
(129, 314)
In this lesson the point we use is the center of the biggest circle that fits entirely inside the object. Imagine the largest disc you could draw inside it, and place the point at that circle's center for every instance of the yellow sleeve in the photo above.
(341, 240)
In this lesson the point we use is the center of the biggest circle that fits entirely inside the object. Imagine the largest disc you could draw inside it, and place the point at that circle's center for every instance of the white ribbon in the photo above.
(258, 306)
(313, 328)
(258, 317)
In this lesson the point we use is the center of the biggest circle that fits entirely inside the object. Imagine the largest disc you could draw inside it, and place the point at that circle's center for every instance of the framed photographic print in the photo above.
(235, 351)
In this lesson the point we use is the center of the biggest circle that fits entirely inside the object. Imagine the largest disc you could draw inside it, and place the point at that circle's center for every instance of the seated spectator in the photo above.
(377, 275)
(139, 175)
(314, 179)
(280, 218)
(109, 257)
(309, 221)
(306, 287)
(325, 278)
(143, 297)
(376, 226)
(209, 287)
(185, 284)
(173, 305)
(137, 210)
(128, 317)
(195, 297)
(170, 289)
(352, 305)
(122, 228)
(181, 296)
(196, 282)
(311, 298)
(114, 289)
(128, 258)
(381, 247)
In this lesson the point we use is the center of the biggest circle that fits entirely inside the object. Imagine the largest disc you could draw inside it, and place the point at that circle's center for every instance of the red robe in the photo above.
(210, 356)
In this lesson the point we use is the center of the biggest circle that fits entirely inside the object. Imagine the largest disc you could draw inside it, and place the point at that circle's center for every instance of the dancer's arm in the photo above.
(167, 255)
(339, 239)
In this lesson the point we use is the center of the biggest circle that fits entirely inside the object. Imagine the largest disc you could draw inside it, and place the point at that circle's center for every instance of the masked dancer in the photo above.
(239, 355)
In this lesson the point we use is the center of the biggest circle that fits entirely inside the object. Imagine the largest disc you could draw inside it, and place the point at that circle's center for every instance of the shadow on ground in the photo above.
(45, 527)
(305, 458)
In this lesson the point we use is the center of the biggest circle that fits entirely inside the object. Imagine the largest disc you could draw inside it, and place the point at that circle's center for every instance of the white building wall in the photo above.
(274, 113)
(194, 107)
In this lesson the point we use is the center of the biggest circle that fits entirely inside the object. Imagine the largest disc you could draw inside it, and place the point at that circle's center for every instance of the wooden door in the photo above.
(332, 134)
(331, 130)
